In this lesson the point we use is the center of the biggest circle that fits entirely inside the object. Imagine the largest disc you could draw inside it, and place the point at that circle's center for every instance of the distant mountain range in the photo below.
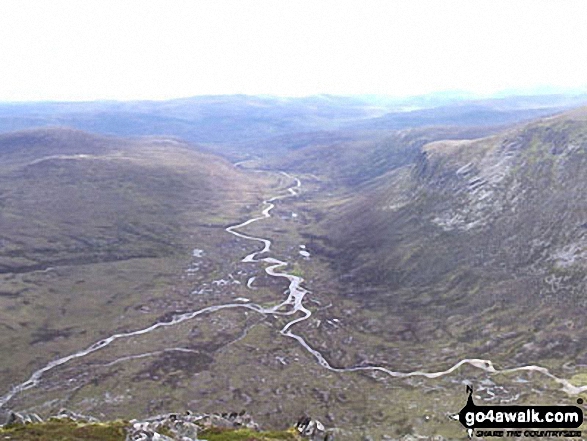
(225, 122)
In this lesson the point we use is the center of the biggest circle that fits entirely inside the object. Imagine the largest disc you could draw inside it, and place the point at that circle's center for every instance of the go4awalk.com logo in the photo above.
(517, 421)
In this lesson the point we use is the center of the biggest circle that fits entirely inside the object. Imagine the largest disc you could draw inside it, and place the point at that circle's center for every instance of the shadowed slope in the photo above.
(490, 232)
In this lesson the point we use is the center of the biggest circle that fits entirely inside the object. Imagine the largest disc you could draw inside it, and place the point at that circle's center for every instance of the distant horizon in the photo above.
(456, 94)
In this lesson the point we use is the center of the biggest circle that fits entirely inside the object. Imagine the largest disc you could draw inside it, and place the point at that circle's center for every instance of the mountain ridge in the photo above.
(229, 123)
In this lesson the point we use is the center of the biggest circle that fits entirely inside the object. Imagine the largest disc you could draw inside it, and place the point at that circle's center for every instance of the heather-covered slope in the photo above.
(96, 234)
(490, 235)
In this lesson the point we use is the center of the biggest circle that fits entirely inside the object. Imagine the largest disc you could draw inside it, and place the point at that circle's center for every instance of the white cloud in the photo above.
(75, 50)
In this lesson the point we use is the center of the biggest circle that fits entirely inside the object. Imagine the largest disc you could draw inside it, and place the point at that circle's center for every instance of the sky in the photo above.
(149, 49)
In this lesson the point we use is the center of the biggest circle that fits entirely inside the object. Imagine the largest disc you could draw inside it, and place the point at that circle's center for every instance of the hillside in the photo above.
(459, 115)
(351, 158)
(479, 243)
(96, 235)
(70, 196)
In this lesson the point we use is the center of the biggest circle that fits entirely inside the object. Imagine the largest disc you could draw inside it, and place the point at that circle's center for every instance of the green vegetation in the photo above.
(579, 379)
(65, 430)
(97, 237)
(218, 434)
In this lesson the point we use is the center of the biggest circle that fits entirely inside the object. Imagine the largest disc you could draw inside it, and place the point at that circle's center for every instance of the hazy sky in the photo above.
(85, 49)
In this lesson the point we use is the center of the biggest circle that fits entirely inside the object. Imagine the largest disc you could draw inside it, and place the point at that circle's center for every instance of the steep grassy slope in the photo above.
(477, 242)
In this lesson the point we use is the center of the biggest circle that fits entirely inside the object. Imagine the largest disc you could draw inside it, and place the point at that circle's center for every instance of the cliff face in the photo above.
(494, 229)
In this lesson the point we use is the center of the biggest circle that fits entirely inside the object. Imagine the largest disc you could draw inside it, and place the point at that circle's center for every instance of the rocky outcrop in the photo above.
(186, 426)
(313, 430)
(9, 417)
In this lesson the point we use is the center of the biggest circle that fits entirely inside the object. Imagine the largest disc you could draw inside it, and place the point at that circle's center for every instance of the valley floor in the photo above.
(256, 321)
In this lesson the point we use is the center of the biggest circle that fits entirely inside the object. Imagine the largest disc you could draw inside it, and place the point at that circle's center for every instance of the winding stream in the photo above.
(295, 297)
